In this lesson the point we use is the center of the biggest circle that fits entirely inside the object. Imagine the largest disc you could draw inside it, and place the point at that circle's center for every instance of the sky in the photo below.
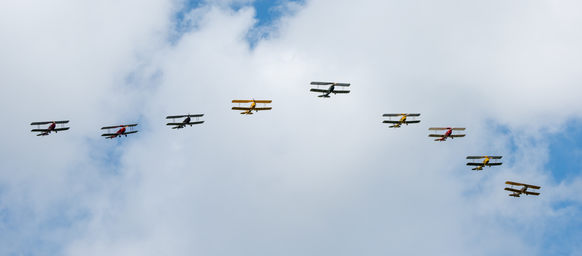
(313, 176)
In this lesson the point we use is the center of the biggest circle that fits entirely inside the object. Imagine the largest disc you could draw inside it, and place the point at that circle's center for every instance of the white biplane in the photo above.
(187, 121)
(331, 89)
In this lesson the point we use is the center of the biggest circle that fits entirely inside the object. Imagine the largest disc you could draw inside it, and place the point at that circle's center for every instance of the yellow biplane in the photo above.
(485, 162)
(253, 107)
(523, 190)
(401, 121)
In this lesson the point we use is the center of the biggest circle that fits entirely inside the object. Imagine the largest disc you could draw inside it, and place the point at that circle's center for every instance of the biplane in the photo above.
(401, 121)
(187, 121)
(331, 89)
(253, 106)
(122, 130)
(523, 190)
(448, 133)
(51, 128)
(486, 162)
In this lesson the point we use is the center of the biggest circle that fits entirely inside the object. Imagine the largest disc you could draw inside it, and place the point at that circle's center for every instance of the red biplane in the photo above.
(122, 130)
(51, 128)
(448, 133)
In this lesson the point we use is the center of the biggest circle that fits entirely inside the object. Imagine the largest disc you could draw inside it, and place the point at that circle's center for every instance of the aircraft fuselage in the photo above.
(119, 132)
(251, 108)
(447, 134)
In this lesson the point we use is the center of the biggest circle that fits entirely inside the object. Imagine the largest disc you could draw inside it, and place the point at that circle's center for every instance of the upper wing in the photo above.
(457, 135)
(48, 122)
(341, 91)
(521, 184)
(533, 186)
(110, 127)
(514, 183)
(196, 115)
(495, 157)
(62, 129)
(267, 108)
(321, 83)
(263, 101)
(40, 123)
(412, 121)
(475, 157)
(342, 84)
(130, 125)
(172, 117)
(318, 90)
(241, 101)
(240, 108)
(413, 114)
(459, 129)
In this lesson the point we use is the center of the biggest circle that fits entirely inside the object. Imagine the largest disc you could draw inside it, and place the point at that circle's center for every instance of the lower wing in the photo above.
(532, 193)
(413, 122)
(474, 164)
(39, 130)
(513, 190)
(341, 91)
(260, 109)
(62, 129)
(494, 164)
(457, 135)
(130, 132)
(240, 108)
(390, 122)
(435, 135)
(318, 90)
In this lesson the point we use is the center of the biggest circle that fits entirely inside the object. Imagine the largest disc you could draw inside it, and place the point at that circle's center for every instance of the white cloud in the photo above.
(313, 176)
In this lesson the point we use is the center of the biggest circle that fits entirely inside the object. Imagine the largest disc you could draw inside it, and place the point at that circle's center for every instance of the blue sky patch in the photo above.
(267, 12)
(565, 160)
